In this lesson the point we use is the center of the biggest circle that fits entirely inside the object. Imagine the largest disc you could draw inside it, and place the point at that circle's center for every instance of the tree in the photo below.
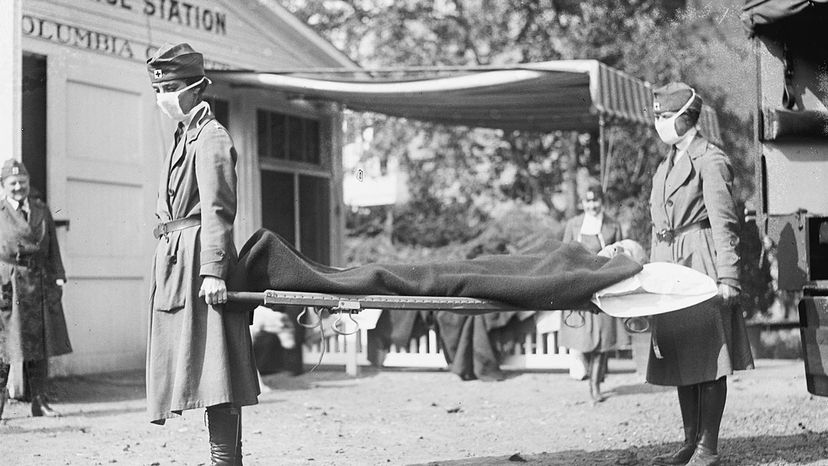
(459, 174)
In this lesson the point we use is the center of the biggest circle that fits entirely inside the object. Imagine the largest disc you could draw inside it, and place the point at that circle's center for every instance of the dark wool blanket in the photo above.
(564, 277)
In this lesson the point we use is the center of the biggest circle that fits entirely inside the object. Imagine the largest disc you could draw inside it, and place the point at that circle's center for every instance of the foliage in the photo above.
(512, 227)
(459, 175)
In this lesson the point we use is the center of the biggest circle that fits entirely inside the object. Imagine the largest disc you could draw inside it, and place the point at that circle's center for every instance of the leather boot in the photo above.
(4, 395)
(703, 457)
(713, 399)
(224, 426)
(679, 457)
(689, 402)
(4, 379)
(41, 408)
(37, 384)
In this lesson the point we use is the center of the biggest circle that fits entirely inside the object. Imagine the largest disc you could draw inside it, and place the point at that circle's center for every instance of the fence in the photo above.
(532, 351)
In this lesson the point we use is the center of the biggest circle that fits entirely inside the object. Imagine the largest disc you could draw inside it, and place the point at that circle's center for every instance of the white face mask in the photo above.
(170, 104)
(666, 127)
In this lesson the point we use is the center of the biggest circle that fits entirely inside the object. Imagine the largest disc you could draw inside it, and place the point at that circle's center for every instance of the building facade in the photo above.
(93, 139)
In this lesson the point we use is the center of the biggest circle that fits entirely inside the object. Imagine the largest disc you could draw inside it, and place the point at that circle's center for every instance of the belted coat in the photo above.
(709, 340)
(197, 355)
(32, 323)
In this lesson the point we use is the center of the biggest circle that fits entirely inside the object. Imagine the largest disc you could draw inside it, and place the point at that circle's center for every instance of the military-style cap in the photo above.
(672, 97)
(177, 61)
(12, 167)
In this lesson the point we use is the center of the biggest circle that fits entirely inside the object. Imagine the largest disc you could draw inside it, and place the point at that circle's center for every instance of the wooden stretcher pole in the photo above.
(602, 150)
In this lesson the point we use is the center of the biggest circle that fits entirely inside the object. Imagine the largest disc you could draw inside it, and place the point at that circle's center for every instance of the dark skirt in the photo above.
(698, 344)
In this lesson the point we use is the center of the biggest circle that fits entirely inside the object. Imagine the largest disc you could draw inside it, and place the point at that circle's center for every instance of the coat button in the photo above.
(171, 192)
(669, 203)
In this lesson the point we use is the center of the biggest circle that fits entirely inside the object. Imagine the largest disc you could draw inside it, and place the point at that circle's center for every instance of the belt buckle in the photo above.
(666, 235)
(24, 261)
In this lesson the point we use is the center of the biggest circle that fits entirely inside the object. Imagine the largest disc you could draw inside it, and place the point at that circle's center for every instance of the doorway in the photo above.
(33, 124)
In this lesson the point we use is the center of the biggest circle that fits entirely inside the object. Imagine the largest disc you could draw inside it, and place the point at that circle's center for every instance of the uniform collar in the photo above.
(681, 146)
(14, 204)
(592, 224)
(193, 119)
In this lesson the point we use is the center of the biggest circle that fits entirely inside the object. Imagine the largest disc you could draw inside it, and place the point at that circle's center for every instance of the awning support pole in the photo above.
(603, 153)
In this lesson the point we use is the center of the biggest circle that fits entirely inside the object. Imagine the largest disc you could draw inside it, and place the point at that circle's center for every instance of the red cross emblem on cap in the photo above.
(157, 73)
(15, 171)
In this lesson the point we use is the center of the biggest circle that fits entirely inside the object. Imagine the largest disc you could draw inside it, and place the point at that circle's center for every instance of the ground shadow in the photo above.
(804, 448)
(105, 412)
(13, 430)
(639, 388)
(321, 377)
(66, 413)
(97, 388)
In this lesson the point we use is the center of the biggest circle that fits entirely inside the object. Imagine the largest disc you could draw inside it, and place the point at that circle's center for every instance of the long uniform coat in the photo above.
(32, 324)
(708, 341)
(198, 355)
(600, 331)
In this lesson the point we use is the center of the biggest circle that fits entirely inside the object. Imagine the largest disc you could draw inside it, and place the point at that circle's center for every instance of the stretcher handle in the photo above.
(339, 326)
(637, 324)
(246, 297)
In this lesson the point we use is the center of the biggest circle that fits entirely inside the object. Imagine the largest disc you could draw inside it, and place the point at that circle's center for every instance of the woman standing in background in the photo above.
(588, 343)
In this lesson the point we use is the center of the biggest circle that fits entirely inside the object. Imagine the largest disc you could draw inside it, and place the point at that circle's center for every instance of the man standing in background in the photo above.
(32, 325)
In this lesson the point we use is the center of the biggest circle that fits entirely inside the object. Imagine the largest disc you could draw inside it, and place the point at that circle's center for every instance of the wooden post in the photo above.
(11, 57)
(351, 358)
(570, 177)
(602, 150)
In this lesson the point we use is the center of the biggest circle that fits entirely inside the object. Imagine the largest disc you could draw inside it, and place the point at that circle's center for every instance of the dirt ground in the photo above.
(426, 417)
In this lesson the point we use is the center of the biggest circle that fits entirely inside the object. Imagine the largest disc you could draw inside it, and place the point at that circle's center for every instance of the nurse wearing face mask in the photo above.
(198, 355)
(590, 336)
(695, 224)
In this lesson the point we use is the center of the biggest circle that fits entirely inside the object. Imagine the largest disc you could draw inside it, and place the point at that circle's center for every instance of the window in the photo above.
(221, 109)
(288, 137)
(314, 221)
(278, 207)
(296, 188)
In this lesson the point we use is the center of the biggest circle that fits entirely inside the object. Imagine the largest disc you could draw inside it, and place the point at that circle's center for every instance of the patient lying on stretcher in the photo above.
(566, 276)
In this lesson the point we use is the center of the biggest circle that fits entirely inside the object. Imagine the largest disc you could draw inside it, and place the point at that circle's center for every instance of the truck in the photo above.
(791, 160)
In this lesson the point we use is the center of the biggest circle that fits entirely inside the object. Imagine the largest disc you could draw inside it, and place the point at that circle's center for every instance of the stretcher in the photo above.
(658, 288)
(347, 305)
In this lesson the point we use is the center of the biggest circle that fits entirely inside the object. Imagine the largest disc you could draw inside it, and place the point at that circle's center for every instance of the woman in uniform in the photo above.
(32, 325)
(199, 355)
(695, 224)
(589, 336)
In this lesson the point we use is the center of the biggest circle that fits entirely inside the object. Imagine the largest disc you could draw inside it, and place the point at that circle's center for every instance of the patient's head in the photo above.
(628, 247)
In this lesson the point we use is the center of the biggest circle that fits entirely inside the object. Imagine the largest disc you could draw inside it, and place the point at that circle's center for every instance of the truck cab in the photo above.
(791, 159)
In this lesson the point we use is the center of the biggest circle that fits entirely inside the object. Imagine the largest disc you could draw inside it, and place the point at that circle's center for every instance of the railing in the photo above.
(532, 351)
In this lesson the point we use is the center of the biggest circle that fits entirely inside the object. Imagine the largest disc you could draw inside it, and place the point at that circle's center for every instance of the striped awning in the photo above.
(568, 95)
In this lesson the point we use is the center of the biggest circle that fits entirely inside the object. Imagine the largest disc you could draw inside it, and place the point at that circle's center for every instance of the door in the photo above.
(96, 182)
